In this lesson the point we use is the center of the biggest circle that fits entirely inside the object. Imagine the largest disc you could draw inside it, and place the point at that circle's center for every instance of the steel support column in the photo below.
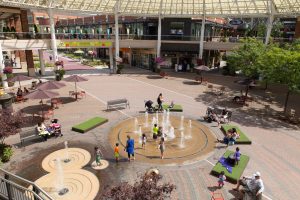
(53, 38)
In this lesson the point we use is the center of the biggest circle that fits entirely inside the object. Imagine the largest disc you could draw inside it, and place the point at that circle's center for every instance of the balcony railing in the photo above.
(79, 36)
(18, 188)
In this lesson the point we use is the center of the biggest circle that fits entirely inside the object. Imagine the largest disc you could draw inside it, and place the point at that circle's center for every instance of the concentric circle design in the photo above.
(104, 164)
(73, 158)
(192, 145)
(82, 185)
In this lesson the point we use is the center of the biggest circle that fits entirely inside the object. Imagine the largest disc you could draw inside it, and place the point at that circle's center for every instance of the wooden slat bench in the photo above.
(29, 134)
(117, 102)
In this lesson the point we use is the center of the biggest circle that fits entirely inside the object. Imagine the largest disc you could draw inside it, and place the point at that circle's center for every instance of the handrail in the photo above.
(22, 188)
(80, 36)
(40, 190)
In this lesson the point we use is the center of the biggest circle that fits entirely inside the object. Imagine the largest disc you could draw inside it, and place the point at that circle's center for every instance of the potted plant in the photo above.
(157, 61)
(119, 68)
(8, 72)
(7, 152)
(59, 74)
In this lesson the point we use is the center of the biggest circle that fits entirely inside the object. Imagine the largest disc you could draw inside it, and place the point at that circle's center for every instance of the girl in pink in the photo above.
(222, 179)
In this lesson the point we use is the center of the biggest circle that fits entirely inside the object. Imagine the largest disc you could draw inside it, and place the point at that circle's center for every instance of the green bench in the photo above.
(243, 138)
(237, 170)
(175, 108)
(89, 124)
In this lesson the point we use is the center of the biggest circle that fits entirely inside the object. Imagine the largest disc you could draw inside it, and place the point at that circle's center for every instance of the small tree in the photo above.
(147, 188)
(282, 66)
(245, 57)
(10, 124)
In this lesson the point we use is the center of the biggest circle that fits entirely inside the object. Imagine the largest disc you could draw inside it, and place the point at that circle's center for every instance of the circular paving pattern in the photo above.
(80, 185)
(189, 144)
(73, 158)
(104, 164)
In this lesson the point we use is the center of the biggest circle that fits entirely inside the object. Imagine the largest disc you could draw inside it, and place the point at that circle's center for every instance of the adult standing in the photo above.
(130, 148)
(252, 185)
(162, 147)
(159, 102)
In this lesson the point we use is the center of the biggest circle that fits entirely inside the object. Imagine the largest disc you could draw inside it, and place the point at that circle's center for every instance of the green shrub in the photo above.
(37, 65)
(6, 152)
(49, 64)
(36, 59)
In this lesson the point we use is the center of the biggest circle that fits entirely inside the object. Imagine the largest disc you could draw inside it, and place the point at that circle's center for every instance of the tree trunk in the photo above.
(286, 101)
(266, 86)
(247, 89)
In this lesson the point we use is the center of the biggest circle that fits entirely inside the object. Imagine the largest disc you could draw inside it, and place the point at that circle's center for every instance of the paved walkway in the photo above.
(274, 151)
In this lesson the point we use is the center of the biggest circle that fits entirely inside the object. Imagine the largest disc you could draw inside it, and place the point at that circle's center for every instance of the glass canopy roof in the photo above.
(178, 8)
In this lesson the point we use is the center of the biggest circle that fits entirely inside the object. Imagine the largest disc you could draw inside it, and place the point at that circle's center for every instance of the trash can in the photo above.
(57, 77)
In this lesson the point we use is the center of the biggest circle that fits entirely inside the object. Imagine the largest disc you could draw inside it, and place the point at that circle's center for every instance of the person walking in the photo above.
(162, 147)
(144, 140)
(222, 179)
(98, 156)
(116, 153)
(130, 148)
(159, 102)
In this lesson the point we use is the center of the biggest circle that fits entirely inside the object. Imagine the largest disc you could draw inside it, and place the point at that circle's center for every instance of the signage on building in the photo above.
(85, 44)
(236, 22)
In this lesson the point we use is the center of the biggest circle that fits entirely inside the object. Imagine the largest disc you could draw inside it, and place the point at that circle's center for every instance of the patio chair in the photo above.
(222, 90)
(82, 93)
(217, 196)
(211, 88)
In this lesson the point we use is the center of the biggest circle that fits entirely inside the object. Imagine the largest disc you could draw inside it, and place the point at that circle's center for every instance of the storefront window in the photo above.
(176, 28)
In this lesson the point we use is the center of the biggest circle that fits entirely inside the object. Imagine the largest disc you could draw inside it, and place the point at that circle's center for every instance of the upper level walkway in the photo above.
(31, 41)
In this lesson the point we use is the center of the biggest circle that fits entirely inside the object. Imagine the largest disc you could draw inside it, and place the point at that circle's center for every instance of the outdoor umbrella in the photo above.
(202, 68)
(20, 78)
(41, 94)
(248, 83)
(75, 79)
(51, 85)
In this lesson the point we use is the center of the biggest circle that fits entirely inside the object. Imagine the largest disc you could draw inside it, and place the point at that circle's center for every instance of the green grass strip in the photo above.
(89, 124)
(237, 170)
(243, 138)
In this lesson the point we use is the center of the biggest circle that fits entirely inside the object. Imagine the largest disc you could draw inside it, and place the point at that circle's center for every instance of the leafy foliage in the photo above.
(245, 57)
(10, 124)
(147, 188)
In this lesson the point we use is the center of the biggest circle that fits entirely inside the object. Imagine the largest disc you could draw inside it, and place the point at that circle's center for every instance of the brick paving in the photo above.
(274, 152)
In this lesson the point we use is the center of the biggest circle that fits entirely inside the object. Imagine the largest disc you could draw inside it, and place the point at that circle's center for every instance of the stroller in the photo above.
(148, 106)
(209, 117)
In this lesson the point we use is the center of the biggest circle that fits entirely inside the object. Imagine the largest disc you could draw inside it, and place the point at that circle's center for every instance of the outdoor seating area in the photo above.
(233, 172)
(89, 124)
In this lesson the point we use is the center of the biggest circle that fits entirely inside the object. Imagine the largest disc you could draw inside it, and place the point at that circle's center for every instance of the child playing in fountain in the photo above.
(98, 156)
(155, 131)
(144, 140)
(221, 180)
(117, 152)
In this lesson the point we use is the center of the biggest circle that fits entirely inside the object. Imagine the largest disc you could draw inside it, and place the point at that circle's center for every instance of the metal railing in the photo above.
(12, 188)
(79, 36)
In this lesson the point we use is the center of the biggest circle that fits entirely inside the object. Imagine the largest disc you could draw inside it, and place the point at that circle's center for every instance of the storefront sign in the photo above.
(84, 44)
(236, 22)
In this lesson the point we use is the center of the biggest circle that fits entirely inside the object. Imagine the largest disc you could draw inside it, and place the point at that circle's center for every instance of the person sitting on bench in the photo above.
(172, 104)
(43, 131)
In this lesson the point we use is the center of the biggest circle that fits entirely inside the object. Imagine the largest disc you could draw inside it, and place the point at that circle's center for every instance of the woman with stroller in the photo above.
(159, 102)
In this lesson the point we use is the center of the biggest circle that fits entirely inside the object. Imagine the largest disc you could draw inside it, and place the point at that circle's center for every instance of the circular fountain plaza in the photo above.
(186, 140)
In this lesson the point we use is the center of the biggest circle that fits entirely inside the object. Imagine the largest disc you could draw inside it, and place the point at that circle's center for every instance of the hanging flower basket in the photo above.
(7, 70)
(159, 60)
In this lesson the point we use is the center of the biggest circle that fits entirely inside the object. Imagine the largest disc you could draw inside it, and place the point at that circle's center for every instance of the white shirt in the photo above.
(254, 184)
